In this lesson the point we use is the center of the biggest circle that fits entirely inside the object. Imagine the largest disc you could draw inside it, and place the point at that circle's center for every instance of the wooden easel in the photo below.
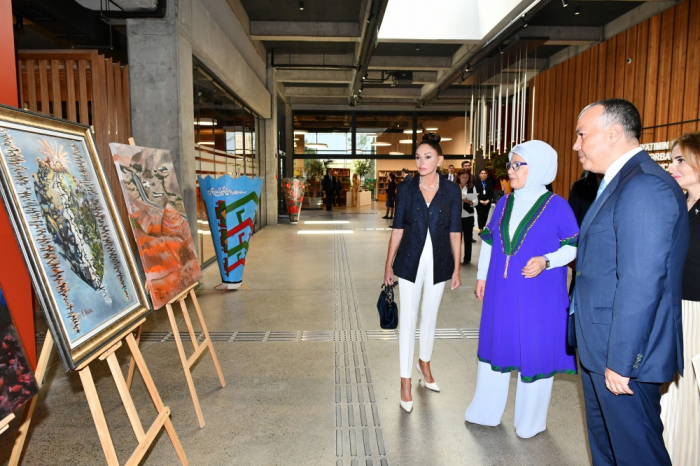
(145, 438)
(199, 348)
(5, 423)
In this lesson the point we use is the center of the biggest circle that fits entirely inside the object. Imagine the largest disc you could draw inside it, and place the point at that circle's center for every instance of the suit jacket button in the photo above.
(578, 274)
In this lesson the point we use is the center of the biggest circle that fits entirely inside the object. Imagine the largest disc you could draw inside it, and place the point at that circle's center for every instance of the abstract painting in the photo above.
(231, 207)
(293, 189)
(17, 383)
(70, 233)
(158, 220)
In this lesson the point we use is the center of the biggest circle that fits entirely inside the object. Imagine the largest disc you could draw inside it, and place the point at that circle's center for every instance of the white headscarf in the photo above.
(541, 161)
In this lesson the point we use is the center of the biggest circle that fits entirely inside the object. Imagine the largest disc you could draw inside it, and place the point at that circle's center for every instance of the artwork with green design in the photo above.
(231, 207)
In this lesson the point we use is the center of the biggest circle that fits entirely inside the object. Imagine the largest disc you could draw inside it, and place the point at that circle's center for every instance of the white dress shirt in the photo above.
(617, 165)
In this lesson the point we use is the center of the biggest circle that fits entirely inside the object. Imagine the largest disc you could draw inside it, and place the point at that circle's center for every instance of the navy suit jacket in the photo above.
(414, 217)
(627, 297)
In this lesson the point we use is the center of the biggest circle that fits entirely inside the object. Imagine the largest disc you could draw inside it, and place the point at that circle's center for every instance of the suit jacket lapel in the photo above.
(595, 208)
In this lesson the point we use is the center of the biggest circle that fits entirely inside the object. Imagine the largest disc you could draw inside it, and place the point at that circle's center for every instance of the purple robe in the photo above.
(524, 320)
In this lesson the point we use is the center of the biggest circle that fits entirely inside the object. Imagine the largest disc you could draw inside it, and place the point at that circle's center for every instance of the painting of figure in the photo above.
(74, 243)
(17, 383)
(158, 220)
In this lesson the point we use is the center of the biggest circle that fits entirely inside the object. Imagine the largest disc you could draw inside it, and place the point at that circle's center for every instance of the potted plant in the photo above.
(362, 168)
(314, 174)
(497, 164)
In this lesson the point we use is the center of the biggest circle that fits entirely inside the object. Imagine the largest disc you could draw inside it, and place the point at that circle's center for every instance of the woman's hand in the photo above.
(456, 281)
(479, 289)
(388, 275)
(534, 267)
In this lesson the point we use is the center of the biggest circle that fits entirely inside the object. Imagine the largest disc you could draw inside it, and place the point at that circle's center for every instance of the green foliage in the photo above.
(314, 171)
(497, 164)
(362, 167)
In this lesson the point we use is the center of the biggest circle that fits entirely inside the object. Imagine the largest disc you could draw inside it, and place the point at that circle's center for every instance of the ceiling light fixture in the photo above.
(524, 25)
(445, 139)
(564, 4)
(205, 122)
(370, 17)
(301, 6)
(405, 141)
(316, 145)
(417, 47)
(380, 144)
(300, 131)
(206, 143)
(431, 129)
(578, 11)
(410, 131)
(395, 153)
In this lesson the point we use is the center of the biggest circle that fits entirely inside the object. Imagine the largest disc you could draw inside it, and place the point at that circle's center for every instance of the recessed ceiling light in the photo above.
(578, 11)
(301, 6)
(564, 3)
(410, 131)
(406, 141)
(206, 143)
(445, 139)
(431, 129)
(417, 47)
(205, 122)
(300, 131)
(382, 144)
(395, 153)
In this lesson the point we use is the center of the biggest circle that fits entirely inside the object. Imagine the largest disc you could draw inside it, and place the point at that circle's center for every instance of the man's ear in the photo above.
(615, 133)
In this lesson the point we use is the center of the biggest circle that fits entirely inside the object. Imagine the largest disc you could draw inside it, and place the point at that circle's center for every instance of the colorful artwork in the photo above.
(293, 189)
(369, 184)
(17, 383)
(71, 236)
(231, 207)
(158, 220)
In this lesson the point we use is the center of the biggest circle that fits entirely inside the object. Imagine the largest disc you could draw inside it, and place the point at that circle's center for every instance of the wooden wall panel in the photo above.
(655, 65)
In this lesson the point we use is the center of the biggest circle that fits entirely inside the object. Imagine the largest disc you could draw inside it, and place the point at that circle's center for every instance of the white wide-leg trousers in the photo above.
(409, 294)
(531, 401)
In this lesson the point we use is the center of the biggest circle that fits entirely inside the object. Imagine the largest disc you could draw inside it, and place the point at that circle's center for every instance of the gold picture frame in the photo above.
(68, 227)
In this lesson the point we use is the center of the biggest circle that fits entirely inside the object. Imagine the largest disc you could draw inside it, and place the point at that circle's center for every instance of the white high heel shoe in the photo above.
(406, 405)
(429, 385)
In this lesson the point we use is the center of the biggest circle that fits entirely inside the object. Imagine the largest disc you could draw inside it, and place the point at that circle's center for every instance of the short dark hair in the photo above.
(452, 166)
(466, 161)
(405, 170)
(620, 111)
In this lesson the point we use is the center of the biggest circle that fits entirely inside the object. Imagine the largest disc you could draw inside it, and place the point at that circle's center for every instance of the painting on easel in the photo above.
(69, 230)
(158, 220)
(17, 383)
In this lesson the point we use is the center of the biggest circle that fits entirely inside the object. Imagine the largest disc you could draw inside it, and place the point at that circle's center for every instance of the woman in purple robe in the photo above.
(521, 279)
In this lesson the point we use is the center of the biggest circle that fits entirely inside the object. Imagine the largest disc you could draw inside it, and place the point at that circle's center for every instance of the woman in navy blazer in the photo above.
(424, 253)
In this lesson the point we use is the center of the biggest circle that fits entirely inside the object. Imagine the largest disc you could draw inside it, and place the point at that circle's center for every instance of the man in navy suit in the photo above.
(627, 300)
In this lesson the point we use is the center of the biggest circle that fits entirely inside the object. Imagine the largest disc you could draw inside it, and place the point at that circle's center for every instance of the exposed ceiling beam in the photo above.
(303, 60)
(409, 63)
(369, 40)
(391, 92)
(564, 35)
(304, 31)
(315, 91)
(314, 76)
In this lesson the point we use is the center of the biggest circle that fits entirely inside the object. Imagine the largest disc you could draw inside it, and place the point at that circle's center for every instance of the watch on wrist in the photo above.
(546, 262)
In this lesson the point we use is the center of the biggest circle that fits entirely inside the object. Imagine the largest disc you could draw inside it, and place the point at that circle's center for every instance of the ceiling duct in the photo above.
(403, 77)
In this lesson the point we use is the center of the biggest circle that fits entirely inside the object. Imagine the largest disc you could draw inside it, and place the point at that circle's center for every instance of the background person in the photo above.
(451, 173)
(424, 256)
(467, 187)
(406, 175)
(484, 187)
(337, 189)
(390, 196)
(521, 279)
(680, 399)
(467, 165)
(328, 185)
(355, 189)
(627, 299)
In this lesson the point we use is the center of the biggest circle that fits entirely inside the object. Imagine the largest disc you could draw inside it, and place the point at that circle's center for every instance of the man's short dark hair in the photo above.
(620, 111)
(452, 166)
(405, 170)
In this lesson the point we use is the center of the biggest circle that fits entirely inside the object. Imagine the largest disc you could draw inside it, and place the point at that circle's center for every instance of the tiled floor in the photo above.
(312, 379)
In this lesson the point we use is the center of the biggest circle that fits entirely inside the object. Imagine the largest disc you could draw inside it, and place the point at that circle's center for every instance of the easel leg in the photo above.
(99, 416)
(185, 365)
(206, 336)
(40, 373)
(146, 375)
(132, 366)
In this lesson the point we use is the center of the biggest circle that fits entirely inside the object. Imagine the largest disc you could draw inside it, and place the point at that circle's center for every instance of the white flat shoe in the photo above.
(406, 405)
(430, 386)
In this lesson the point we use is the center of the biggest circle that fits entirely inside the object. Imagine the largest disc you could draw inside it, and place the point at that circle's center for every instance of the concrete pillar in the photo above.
(289, 123)
(162, 101)
(269, 156)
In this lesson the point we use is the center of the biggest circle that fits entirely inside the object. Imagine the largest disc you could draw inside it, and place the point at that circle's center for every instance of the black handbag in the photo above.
(388, 311)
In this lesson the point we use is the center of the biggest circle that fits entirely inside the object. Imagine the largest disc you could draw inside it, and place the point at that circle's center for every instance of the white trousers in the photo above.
(531, 401)
(409, 294)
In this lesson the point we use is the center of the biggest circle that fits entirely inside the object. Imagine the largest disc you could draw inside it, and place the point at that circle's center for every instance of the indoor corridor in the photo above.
(312, 379)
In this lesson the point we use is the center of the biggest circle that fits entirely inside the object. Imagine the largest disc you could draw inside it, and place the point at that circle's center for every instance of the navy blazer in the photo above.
(413, 216)
(629, 268)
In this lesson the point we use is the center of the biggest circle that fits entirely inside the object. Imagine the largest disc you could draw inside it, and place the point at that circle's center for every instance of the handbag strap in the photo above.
(389, 290)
